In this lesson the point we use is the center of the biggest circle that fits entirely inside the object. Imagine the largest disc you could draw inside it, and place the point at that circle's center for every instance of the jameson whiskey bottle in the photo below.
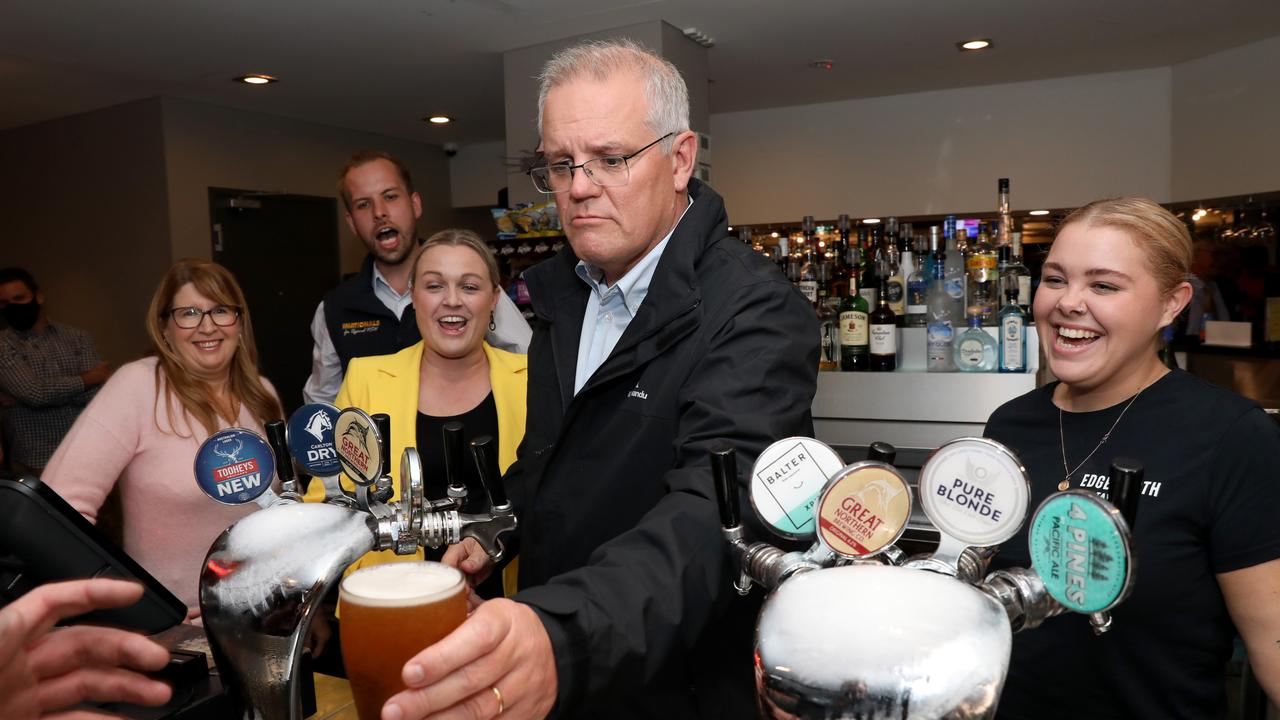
(854, 329)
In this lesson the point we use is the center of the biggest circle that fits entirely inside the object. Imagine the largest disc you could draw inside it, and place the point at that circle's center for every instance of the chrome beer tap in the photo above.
(853, 514)
(1082, 555)
(259, 595)
(841, 637)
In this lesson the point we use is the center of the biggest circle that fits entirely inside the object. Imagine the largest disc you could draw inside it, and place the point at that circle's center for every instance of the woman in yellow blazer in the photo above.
(451, 374)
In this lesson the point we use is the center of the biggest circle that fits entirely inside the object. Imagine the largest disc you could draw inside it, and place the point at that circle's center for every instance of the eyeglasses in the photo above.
(191, 317)
(607, 171)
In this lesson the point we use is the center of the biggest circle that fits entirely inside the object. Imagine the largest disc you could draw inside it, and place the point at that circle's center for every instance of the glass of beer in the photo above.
(390, 613)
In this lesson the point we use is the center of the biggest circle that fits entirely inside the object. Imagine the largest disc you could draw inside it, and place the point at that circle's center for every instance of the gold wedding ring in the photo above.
(498, 694)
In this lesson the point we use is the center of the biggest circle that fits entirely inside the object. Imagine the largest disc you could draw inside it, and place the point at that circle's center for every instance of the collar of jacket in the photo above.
(559, 296)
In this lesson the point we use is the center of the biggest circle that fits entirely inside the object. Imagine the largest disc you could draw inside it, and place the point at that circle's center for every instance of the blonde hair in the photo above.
(1158, 233)
(196, 397)
(458, 237)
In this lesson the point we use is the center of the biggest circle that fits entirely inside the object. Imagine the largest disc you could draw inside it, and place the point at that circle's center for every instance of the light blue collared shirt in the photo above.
(387, 295)
(610, 309)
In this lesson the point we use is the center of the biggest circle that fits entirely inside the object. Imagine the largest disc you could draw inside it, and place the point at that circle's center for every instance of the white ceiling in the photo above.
(381, 65)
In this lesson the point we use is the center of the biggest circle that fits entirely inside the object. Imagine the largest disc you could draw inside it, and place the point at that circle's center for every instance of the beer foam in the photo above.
(269, 550)
(937, 639)
(401, 583)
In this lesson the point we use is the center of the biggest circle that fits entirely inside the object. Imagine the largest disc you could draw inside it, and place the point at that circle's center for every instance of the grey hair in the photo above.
(665, 89)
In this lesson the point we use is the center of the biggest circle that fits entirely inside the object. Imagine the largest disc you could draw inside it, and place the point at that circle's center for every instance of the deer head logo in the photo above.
(232, 455)
(318, 423)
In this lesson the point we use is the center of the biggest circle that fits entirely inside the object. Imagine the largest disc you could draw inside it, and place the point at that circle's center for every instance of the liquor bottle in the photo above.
(956, 280)
(839, 283)
(1015, 275)
(981, 267)
(895, 285)
(877, 262)
(1013, 334)
(829, 331)
(862, 263)
(940, 333)
(884, 334)
(1004, 230)
(918, 288)
(808, 282)
(854, 342)
(975, 349)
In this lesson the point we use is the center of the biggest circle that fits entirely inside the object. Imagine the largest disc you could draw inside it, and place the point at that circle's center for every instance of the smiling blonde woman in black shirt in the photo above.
(1207, 537)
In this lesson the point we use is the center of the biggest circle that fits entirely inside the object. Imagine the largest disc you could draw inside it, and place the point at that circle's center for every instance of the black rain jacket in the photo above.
(620, 548)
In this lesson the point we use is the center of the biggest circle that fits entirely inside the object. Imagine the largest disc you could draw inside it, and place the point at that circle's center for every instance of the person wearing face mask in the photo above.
(1206, 542)
(142, 431)
(48, 372)
(451, 374)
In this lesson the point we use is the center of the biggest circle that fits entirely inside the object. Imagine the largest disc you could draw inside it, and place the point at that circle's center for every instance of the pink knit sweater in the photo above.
(168, 523)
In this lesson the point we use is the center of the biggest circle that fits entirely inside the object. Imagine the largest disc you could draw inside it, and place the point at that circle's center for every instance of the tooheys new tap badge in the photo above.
(234, 466)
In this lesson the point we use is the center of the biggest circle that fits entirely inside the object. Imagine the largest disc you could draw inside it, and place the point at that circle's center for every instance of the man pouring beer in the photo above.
(663, 337)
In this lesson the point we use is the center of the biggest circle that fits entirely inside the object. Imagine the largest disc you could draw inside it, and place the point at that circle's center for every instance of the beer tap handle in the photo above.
(1126, 479)
(882, 452)
(1126, 488)
(724, 471)
(453, 461)
(284, 462)
(382, 489)
(383, 423)
(724, 475)
(485, 451)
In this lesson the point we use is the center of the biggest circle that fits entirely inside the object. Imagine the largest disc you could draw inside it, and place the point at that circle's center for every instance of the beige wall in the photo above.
(211, 146)
(1062, 142)
(477, 173)
(1226, 123)
(83, 202)
(97, 206)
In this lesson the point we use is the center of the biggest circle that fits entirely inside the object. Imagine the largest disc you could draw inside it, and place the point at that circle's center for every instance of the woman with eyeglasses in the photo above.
(141, 432)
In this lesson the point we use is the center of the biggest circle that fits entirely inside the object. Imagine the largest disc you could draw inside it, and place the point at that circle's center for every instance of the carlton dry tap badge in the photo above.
(311, 439)
(359, 446)
(1080, 547)
(235, 466)
(863, 510)
(786, 480)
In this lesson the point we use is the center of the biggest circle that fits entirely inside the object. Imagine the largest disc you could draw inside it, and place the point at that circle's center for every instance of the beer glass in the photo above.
(390, 613)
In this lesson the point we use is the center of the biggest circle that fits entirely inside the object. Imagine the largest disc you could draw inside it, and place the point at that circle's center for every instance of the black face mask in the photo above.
(21, 316)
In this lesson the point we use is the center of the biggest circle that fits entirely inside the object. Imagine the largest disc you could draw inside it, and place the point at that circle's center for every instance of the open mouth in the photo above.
(1075, 338)
(452, 324)
(387, 237)
(207, 345)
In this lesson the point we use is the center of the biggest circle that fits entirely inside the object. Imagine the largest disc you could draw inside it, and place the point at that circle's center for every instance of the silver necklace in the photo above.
(1062, 439)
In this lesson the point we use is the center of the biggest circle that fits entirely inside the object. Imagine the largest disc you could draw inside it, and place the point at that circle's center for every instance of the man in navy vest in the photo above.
(370, 313)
